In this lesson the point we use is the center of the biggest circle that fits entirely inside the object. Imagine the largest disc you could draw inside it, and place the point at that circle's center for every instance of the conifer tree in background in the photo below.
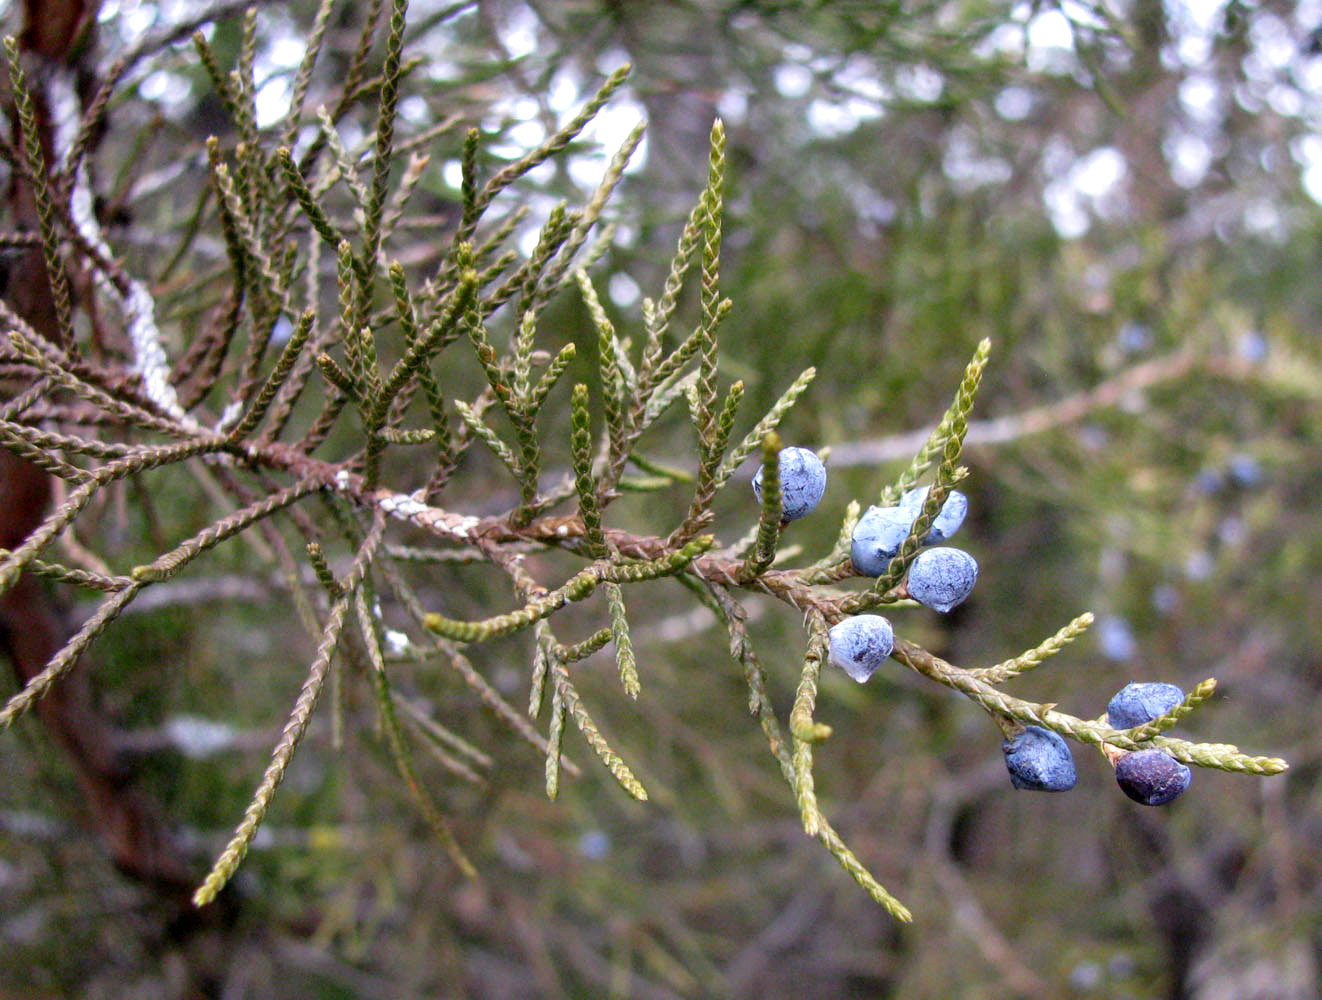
(418, 451)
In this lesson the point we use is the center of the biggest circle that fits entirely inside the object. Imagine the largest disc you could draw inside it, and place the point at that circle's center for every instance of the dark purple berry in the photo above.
(1151, 777)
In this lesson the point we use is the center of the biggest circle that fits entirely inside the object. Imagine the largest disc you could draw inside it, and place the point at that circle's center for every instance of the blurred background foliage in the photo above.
(1124, 196)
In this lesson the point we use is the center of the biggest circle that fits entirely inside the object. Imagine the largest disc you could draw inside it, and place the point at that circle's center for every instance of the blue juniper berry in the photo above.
(1152, 778)
(1137, 703)
(802, 482)
(859, 645)
(881, 531)
(1039, 761)
(941, 578)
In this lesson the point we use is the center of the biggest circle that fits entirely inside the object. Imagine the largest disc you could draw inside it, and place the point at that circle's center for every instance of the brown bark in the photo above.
(32, 630)
(32, 626)
(55, 29)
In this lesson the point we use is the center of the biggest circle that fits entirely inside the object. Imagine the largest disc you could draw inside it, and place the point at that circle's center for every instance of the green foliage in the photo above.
(330, 469)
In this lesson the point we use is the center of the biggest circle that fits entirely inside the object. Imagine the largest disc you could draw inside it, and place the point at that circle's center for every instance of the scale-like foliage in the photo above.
(336, 460)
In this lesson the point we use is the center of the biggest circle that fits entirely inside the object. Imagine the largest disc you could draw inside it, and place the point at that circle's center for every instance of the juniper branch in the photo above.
(295, 728)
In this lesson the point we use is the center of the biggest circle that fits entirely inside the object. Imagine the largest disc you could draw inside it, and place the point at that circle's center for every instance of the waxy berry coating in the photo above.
(1039, 761)
(941, 578)
(948, 519)
(859, 645)
(1151, 777)
(878, 535)
(1135, 703)
(881, 531)
(802, 482)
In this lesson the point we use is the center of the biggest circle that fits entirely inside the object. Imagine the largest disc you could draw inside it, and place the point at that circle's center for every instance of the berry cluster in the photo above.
(1040, 761)
(940, 578)
(882, 530)
(1147, 776)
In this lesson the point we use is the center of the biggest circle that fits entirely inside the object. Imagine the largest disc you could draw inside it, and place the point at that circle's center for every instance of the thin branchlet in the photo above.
(379, 351)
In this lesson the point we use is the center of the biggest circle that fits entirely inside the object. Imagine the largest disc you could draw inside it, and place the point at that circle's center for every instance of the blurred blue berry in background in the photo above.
(1253, 346)
(594, 845)
(1165, 598)
(1245, 470)
(1135, 337)
(1116, 638)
